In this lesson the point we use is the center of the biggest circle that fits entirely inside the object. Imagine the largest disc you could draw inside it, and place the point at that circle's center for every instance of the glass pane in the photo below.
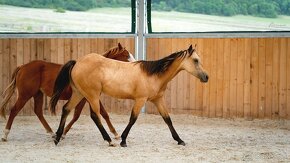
(65, 16)
(220, 15)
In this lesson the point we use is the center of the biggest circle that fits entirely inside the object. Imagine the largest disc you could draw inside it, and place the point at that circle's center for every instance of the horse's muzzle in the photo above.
(203, 77)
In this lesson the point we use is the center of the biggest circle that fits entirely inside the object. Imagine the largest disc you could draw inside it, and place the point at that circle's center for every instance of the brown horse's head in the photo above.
(119, 53)
(192, 64)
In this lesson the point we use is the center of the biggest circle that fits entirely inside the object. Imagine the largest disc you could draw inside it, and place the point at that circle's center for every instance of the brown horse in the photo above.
(37, 78)
(145, 81)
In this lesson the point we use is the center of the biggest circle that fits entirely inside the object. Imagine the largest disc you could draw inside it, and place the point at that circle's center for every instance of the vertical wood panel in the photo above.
(254, 78)
(220, 66)
(275, 87)
(269, 77)
(233, 77)
(288, 78)
(283, 76)
(247, 79)
(206, 86)
(261, 92)
(240, 77)
(213, 76)
(226, 81)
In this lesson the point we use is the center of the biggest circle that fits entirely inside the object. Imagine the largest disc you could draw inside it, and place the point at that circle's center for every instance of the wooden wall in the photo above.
(248, 77)
(16, 52)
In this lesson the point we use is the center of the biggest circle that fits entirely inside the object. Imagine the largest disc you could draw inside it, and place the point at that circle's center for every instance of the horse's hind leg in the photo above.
(160, 104)
(76, 116)
(105, 115)
(75, 99)
(13, 113)
(38, 102)
(95, 115)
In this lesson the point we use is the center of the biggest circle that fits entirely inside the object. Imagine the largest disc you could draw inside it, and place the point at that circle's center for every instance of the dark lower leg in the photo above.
(38, 102)
(105, 115)
(124, 135)
(60, 129)
(174, 134)
(98, 123)
(77, 113)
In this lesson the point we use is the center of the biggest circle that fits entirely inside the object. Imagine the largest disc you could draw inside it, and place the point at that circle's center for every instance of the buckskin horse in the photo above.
(144, 81)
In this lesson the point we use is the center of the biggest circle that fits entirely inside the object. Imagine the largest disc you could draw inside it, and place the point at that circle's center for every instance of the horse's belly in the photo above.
(118, 93)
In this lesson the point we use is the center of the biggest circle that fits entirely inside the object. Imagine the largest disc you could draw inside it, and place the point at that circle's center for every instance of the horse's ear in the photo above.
(120, 46)
(190, 50)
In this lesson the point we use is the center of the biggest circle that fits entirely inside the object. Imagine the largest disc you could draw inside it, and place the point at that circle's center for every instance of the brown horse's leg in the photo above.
(76, 116)
(160, 104)
(134, 115)
(14, 111)
(75, 99)
(105, 115)
(38, 102)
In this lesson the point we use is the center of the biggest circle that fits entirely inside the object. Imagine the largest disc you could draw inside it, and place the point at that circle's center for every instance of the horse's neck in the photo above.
(172, 71)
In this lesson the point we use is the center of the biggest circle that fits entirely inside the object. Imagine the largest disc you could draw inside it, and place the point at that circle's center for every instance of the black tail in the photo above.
(61, 82)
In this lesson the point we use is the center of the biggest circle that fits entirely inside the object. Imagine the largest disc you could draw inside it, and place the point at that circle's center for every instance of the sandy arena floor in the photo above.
(207, 140)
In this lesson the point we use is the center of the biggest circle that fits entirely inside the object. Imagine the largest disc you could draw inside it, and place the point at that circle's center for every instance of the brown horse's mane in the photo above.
(158, 67)
(111, 52)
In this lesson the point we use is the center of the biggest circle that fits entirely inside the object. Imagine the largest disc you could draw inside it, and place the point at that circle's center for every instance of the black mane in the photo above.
(158, 67)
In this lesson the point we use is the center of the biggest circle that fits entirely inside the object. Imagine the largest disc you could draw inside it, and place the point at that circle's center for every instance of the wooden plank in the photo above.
(67, 49)
(46, 50)
(94, 45)
(254, 78)
(40, 49)
(233, 77)
(13, 64)
(275, 85)
(60, 51)
(173, 83)
(220, 76)
(240, 77)
(283, 78)
(269, 77)
(74, 49)
(206, 86)
(247, 79)
(6, 68)
(1, 66)
(33, 49)
(288, 78)
(226, 82)
(261, 92)
(53, 50)
(213, 77)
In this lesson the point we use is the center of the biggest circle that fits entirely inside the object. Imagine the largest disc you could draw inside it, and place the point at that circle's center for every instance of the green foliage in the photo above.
(73, 5)
(261, 8)
(60, 10)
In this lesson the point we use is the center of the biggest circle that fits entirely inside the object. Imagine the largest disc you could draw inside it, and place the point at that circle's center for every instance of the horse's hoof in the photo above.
(55, 141)
(181, 143)
(117, 137)
(3, 139)
(112, 144)
(123, 144)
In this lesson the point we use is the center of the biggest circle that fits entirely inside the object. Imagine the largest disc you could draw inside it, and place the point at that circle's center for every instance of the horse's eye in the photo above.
(195, 61)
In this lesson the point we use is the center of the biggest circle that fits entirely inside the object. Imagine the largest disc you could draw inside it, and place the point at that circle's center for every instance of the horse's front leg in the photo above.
(160, 104)
(134, 115)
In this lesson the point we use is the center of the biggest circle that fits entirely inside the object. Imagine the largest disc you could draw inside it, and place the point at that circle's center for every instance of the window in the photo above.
(50, 16)
(219, 15)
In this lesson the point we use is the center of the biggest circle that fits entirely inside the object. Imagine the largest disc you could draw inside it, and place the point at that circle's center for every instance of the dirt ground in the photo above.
(207, 140)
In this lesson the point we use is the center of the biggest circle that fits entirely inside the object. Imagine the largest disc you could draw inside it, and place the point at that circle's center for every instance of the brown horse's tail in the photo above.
(61, 82)
(7, 94)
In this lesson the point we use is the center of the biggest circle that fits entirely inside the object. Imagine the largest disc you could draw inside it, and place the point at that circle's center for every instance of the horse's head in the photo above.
(192, 64)
(120, 53)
